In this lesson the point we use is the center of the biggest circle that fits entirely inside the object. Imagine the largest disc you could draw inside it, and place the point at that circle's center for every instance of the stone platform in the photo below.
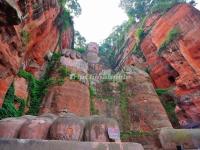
(16, 144)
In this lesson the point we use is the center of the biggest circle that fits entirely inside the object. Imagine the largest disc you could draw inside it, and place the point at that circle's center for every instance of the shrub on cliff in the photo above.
(139, 34)
(172, 35)
(64, 72)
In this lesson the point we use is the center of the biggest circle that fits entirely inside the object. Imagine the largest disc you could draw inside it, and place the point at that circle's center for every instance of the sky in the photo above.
(99, 17)
(198, 4)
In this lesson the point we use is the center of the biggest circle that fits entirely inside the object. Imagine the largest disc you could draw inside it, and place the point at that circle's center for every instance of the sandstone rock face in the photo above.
(145, 108)
(124, 57)
(9, 128)
(5, 84)
(97, 129)
(133, 102)
(28, 33)
(21, 88)
(67, 127)
(72, 95)
(107, 101)
(178, 65)
(67, 38)
(178, 60)
(36, 128)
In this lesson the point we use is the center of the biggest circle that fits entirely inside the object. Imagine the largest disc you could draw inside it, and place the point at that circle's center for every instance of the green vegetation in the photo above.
(162, 6)
(62, 3)
(137, 11)
(79, 42)
(139, 34)
(162, 91)
(142, 8)
(21, 106)
(173, 34)
(134, 134)
(137, 51)
(64, 72)
(8, 109)
(80, 49)
(92, 90)
(147, 70)
(170, 109)
(25, 37)
(169, 103)
(72, 6)
(75, 76)
(37, 88)
(124, 106)
(64, 20)
(52, 65)
(105, 93)
(115, 43)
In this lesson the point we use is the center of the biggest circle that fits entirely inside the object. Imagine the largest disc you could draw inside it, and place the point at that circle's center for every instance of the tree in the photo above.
(79, 42)
(141, 8)
(114, 42)
(72, 6)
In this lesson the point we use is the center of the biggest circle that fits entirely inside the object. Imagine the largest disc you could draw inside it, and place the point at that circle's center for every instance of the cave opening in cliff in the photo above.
(171, 79)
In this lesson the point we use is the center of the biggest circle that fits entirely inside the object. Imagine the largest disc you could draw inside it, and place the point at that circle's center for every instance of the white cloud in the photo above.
(98, 18)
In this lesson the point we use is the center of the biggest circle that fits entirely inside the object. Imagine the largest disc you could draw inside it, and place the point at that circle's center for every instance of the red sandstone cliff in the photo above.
(178, 66)
(28, 33)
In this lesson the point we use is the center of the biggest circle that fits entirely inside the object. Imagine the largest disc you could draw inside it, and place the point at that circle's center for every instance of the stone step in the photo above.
(151, 147)
(16, 144)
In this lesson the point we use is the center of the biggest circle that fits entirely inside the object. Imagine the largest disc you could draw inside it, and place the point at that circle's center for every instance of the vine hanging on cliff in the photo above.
(8, 109)
(37, 88)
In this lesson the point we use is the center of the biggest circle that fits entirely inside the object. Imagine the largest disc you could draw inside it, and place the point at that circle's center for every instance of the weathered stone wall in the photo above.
(28, 33)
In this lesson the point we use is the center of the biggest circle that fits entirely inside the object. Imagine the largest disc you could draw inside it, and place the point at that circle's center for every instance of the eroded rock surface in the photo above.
(10, 127)
(36, 128)
(65, 126)
(133, 102)
(28, 34)
(97, 129)
(72, 95)
(178, 64)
